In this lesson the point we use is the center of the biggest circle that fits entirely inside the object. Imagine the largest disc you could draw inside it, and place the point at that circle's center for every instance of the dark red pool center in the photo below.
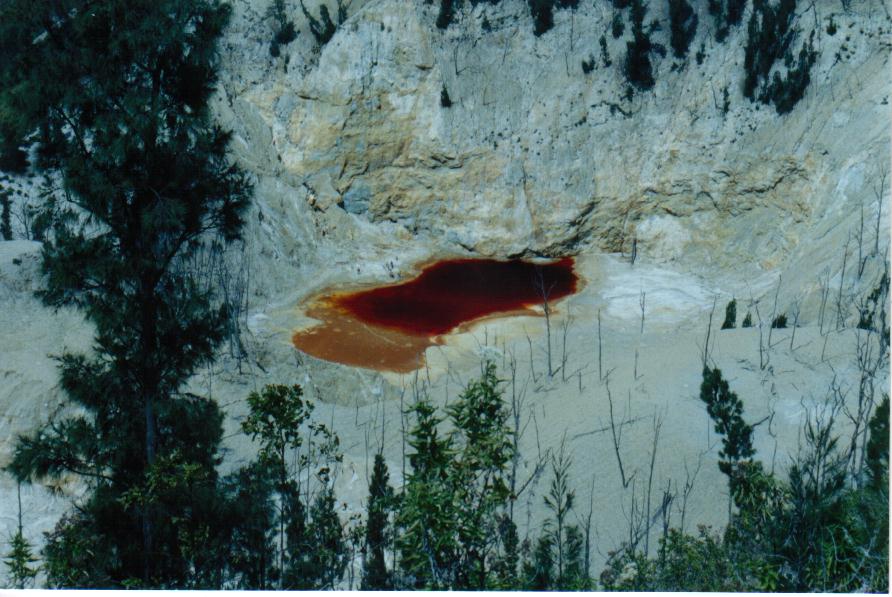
(452, 292)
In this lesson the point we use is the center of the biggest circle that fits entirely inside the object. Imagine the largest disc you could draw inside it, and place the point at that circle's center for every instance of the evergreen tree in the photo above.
(726, 410)
(5, 221)
(730, 315)
(328, 550)
(375, 575)
(637, 67)
(19, 560)
(508, 557)
(252, 560)
(116, 95)
(538, 569)
(682, 25)
(448, 8)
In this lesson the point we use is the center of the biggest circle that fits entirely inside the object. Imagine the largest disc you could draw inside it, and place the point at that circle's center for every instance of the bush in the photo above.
(605, 54)
(638, 68)
(683, 26)
(588, 65)
(780, 321)
(770, 36)
(730, 315)
(617, 26)
(5, 224)
(543, 15)
(725, 14)
(283, 28)
(324, 28)
(444, 98)
(447, 13)
(747, 321)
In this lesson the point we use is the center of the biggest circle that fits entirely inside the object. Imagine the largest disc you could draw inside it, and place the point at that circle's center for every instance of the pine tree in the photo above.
(19, 560)
(375, 576)
(682, 25)
(726, 410)
(116, 96)
(328, 555)
(252, 560)
(6, 207)
(730, 316)
(637, 67)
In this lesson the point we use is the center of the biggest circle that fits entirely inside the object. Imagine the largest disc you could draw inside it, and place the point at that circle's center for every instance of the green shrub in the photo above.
(283, 29)
(444, 98)
(617, 25)
(605, 54)
(448, 9)
(730, 315)
(770, 36)
(780, 321)
(637, 67)
(588, 65)
(747, 320)
(682, 25)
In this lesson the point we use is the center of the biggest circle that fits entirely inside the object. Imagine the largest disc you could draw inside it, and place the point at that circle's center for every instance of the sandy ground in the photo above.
(658, 389)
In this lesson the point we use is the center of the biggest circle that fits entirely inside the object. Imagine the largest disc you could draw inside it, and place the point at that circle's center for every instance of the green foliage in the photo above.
(725, 14)
(770, 37)
(75, 555)
(780, 321)
(445, 101)
(452, 501)
(605, 54)
(252, 563)
(730, 315)
(311, 549)
(617, 25)
(589, 65)
(726, 410)
(701, 54)
(427, 542)
(682, 26)
(637, 66)
(447, 14)
(5, 222)
(542, 12)
(327, 549)
(878, 447)
(324, 28)
(375, 576)
(558, 561)
(276, 415)
(283, 28)
(747, 320)
(701, 563)
(507, 559)
(115, 94)
(19, 561)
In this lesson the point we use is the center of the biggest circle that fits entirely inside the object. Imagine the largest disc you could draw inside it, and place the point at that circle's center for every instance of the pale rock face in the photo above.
(536, 157)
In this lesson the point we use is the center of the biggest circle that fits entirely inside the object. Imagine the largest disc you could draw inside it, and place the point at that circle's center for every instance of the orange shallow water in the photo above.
(390, 327)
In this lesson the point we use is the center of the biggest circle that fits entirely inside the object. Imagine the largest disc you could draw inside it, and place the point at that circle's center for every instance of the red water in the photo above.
(449, 293)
